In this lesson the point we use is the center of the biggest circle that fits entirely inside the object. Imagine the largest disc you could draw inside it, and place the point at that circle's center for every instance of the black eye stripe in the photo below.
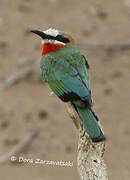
(58, 38)
(62, 39)
(47, 36)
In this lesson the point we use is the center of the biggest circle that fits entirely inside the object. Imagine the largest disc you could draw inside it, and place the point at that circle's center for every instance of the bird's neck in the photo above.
(50, 47)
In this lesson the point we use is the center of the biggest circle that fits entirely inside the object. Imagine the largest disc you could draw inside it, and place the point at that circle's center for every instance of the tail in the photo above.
(90, 123)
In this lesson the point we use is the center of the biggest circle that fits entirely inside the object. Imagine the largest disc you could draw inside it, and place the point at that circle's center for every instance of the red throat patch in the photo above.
(49, 47)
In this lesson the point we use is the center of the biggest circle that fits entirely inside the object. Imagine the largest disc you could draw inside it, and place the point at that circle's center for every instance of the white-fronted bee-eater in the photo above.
(65, 69)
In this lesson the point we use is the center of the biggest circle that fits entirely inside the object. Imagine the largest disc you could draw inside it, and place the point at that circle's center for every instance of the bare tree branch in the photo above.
(106, 47)
(91, 165)
(18, 77)
(20, 147)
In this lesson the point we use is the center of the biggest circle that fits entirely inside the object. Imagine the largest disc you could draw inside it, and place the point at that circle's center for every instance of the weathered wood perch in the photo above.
(91, 165)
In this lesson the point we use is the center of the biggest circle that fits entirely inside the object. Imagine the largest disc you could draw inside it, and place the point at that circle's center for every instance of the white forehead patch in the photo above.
(52, 32)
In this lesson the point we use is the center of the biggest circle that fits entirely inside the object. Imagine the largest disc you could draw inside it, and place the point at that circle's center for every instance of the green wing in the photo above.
(71, 86)
(67, 77)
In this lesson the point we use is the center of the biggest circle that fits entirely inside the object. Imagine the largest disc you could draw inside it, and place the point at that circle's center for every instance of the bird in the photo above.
(65, 69)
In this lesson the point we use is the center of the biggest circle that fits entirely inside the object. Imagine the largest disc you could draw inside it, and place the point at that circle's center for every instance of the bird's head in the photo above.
(53, 40)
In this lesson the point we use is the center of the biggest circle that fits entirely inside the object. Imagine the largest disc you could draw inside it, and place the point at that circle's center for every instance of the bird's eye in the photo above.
(62, 39)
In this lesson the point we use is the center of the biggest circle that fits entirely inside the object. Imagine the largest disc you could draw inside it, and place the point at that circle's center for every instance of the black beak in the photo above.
(43, 35)
(40, 33)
